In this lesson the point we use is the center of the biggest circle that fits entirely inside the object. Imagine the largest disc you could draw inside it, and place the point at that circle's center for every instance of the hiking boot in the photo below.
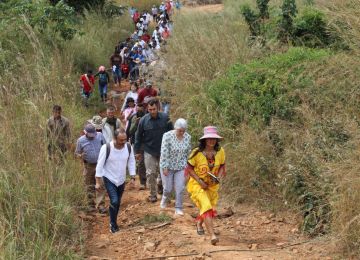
(142, 187)
(114, 229)
(152, 199)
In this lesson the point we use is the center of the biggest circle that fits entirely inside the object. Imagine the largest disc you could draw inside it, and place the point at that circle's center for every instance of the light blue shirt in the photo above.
(90, 147)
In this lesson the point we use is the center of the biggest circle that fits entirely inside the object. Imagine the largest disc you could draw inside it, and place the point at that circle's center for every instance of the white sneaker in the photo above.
(163, 204)
(179, 212)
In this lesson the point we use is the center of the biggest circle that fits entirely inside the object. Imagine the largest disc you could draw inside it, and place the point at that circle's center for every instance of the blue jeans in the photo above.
(115, 193)
(117, 75)
(103, 91)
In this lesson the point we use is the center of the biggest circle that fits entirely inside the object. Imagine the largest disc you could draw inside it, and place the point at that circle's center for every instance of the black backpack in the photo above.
(108, 151)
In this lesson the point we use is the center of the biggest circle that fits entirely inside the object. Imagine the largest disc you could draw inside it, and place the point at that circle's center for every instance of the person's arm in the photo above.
(78, 150)
(132, 164)
(97, 74)
(124, 104)
(139, 136)
(108, 77)
(222, 169)
(67, 132)
(100, 166)
(165, 154)
(192, 173)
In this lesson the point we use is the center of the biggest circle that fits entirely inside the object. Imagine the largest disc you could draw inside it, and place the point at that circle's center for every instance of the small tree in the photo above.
(288, 13)
(251, 19)
(263, 6)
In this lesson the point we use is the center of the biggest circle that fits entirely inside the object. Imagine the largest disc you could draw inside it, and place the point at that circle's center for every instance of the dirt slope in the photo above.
(248, 229)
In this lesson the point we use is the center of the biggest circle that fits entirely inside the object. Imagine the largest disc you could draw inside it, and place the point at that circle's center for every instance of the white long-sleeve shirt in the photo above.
(115, 167)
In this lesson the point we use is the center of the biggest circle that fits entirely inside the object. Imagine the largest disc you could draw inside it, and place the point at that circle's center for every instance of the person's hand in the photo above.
(166, 172)
(97, 186)
(138, 156)
(203, 184)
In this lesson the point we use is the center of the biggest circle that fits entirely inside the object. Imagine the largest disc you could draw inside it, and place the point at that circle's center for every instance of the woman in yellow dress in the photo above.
(205, 165)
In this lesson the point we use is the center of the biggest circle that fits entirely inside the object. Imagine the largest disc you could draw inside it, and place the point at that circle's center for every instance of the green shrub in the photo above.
(251, 19)
(288, 13)
(263, 6)
(262, 89)
(310, 29)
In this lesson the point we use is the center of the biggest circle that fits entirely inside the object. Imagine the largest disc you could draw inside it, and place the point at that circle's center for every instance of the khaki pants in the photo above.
(152, 172)
(95, 198)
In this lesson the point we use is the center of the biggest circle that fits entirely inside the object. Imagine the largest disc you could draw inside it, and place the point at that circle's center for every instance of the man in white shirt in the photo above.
(111, 167)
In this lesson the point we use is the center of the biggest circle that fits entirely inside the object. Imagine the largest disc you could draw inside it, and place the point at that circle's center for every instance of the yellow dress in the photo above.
(205, 200)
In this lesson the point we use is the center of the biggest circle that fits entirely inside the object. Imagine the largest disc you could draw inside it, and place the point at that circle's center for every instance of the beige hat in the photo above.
(97, 122)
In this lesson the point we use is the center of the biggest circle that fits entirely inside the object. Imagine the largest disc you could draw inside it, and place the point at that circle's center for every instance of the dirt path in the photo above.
(247, 229)
(146, 231)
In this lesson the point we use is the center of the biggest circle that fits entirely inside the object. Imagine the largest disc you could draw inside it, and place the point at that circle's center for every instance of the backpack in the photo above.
(108, 151)
(103, 78)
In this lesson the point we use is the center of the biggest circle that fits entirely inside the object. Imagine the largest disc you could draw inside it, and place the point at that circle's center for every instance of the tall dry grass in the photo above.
(307, 164)
(39, 198)
(141, 5)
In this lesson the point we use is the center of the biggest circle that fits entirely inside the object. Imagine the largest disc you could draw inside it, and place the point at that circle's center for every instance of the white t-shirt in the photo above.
(115, 167)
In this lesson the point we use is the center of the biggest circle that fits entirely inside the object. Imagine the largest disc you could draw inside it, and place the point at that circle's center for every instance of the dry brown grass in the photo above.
(306, 162)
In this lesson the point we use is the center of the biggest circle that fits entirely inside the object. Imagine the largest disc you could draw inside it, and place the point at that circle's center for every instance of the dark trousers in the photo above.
(115, 193)
(141, 170)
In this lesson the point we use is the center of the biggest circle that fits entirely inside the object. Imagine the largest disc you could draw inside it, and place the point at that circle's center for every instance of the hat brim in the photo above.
(210, 136)
(97, 126)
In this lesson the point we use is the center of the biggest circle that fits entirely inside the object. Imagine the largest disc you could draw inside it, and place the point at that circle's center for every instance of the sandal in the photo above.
(200, 230)
(214, 241)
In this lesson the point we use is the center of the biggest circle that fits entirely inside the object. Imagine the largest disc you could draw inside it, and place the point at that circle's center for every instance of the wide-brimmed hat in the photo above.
(97, 122)
(210, 132)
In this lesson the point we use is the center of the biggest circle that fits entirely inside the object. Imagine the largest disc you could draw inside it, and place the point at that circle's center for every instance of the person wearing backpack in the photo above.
(87, 82)
(113, 160)
(132, 126)
(104, 80)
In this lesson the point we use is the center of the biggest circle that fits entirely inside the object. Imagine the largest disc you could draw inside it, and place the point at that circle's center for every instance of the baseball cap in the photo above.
(90, 130)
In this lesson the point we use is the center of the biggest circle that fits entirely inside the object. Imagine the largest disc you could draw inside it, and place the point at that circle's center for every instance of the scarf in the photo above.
(112, 122)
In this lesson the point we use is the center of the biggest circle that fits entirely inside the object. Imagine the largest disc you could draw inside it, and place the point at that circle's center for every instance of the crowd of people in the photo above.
(143, 141)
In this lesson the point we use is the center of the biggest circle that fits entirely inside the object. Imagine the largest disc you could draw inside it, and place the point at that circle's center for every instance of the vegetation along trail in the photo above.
(279, 80)
(146, 232)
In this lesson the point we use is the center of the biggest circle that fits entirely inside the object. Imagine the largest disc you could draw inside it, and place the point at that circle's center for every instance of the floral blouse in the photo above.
(174, 152)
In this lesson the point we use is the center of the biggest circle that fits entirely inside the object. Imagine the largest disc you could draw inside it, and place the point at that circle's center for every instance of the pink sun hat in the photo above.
(210, 132)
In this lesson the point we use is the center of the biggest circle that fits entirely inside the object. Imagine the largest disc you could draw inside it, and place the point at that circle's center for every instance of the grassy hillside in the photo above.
(290, 115)
(39, 199)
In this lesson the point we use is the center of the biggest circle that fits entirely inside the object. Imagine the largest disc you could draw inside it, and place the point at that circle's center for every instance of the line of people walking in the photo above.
(144, 142)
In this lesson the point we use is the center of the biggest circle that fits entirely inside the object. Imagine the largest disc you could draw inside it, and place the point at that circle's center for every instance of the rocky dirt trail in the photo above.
(146, 234)
(245, 232)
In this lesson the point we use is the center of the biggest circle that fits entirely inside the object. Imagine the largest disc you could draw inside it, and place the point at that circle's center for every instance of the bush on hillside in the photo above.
(59, 19)
(263, 89)
(310, 29)
(80, 5)
(288, 13)
(252, 20)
